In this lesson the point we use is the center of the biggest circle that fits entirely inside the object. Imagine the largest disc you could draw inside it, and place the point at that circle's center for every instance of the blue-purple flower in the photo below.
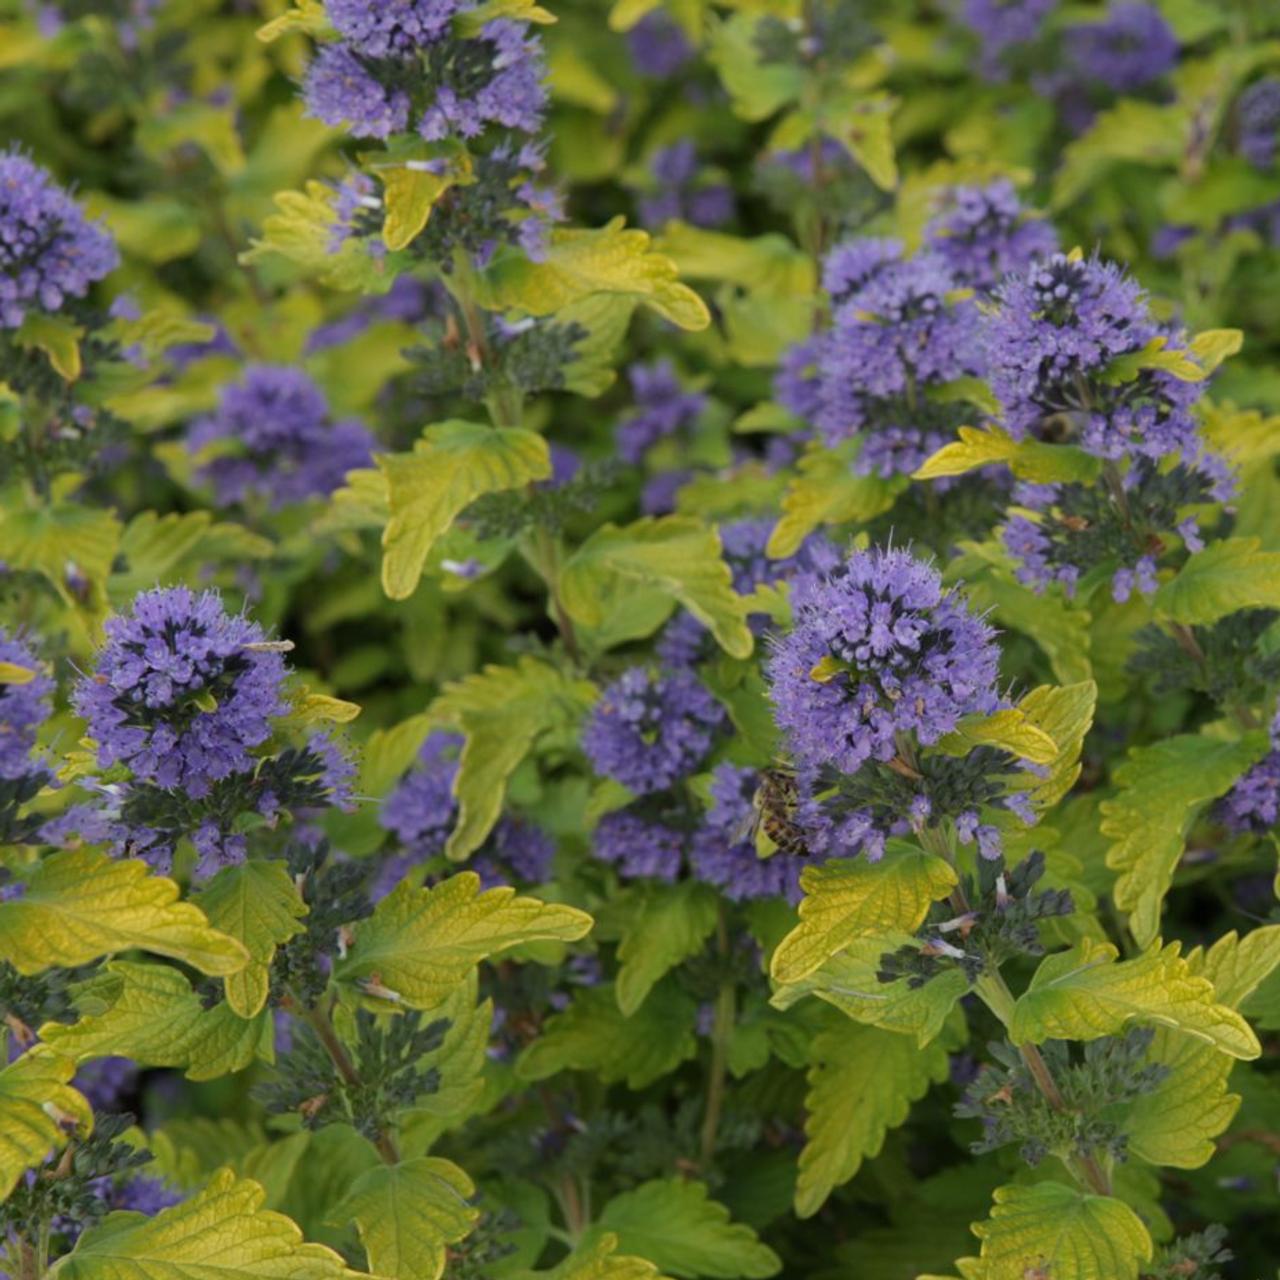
(1258, 116)
(651, 728)
(878, 651)
(641, 848)
(657, 45)
(983, 234)
(1129, 48)
(275, 440)
(662, 408)
(182, 691)
(679, 193)
(339, 89)
(421, 810)
(1253, 804)
(49, 250)
(24, 705)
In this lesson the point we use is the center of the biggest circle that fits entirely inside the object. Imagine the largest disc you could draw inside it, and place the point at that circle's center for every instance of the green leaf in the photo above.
(258, 904)
(756, 88)
(769, 264)
(502, 712)
(1086, 993)
(1027, 459)
(1212, 346)
(221, 1231)
(594, 1035)
(413, 180)
(1157, 354)
(408, 1214)
(675, 554)
(1132, 130)
(81, 904)
(14, 673)
(57, 337)
(862, 1083)
(53, 538)
(420, 943)
(1225, 577)
(852, 898)
(149, 1012)
(827, 490)
(1161, 789)
(850, 982)
(1061, 1233)
(1065, 714)
(450, 466)
(670, 924)
(308, 16)
(1009, 729)
(865, 127)
(676, 1225)
(37, 1109)
(580, 262)
(597, 1260)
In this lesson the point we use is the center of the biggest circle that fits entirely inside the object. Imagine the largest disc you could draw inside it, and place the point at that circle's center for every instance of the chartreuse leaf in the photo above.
(258, 904)
(1086, 993)
(862, 1083)
(674, 554)
(670, 924)
(1008, 729)
(39, 1111)
(1176, 1122)
(306, 15)
(221, 1231)
(1228, 575)
(598, 1259)
(769, 264)
(850, 898)
(850, 982)
(502, 712)
(1027, 459)
(420, 943)
(59, 539)
(1161, 789)
(81, 904)
(1212, 346)
(1053, 1230)
(149, 1012)
(593, 1034)
(15, 673)
(579, 262)
(450, 466)
(756, 87)
(414, 176)
(57, 337)
(676, 1225)
(1065, 714)
(407, 1214)
(827, 490)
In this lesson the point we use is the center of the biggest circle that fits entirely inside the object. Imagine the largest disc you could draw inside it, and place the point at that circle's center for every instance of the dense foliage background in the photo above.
(639, 640)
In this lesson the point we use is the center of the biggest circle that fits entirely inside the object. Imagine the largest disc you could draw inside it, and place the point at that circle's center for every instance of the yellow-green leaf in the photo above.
(1032, 460)
(1229, 575)
(408, 1214)
(1086, 993)
(502, 712)
(1060, 1232)
(862, 1083)
(81, 904)
(57, 337)
(1160, 791)
(59, 539)
(1065, 714)
(1009, 729)
(450, 466)
(308, 16)
(1212, 346)
(851, 898)
(14, 673)
(420, 943)
(150, 1013)
(222, 1231)
(258, 904)
(675, 554)
(319, 708)
(39, 1111)
(598, 1259)
(580, 262)
(670, 924)
(770, 264)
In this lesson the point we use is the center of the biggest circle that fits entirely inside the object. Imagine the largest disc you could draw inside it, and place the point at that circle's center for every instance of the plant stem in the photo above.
(721, 1030)
(319, 1021)
(547, 562)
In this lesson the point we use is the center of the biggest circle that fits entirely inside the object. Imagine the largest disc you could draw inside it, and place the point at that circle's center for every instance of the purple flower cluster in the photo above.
(900, 331)
(516, 852)
(650, 728)
(1003, 25)
(49, 250)
(23, 707)
(662, 408)
(678, 193)
(182, 691)
(878, 650)
(983, 234)
(1253, 804)
(403, 65)
(1132, 46)
(276, 440)
(1052, 333)
(657, 45)
(421, 810)
(641, 848)
(106, 1081)
(721, 855)
(851, 266)
(1258, 116)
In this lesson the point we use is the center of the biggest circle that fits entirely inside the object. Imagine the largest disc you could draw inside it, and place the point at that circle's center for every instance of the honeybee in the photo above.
(773, 812)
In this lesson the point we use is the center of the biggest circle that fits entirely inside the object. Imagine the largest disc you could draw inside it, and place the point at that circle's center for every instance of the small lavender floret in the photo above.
(650, 728)
(23, 707)
(339, 89)
(851, 266)
(181, 692)
(1253, 804)
(984, 233)
(878, 649)
(49, 250)
(638, 847)
(392, 28)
